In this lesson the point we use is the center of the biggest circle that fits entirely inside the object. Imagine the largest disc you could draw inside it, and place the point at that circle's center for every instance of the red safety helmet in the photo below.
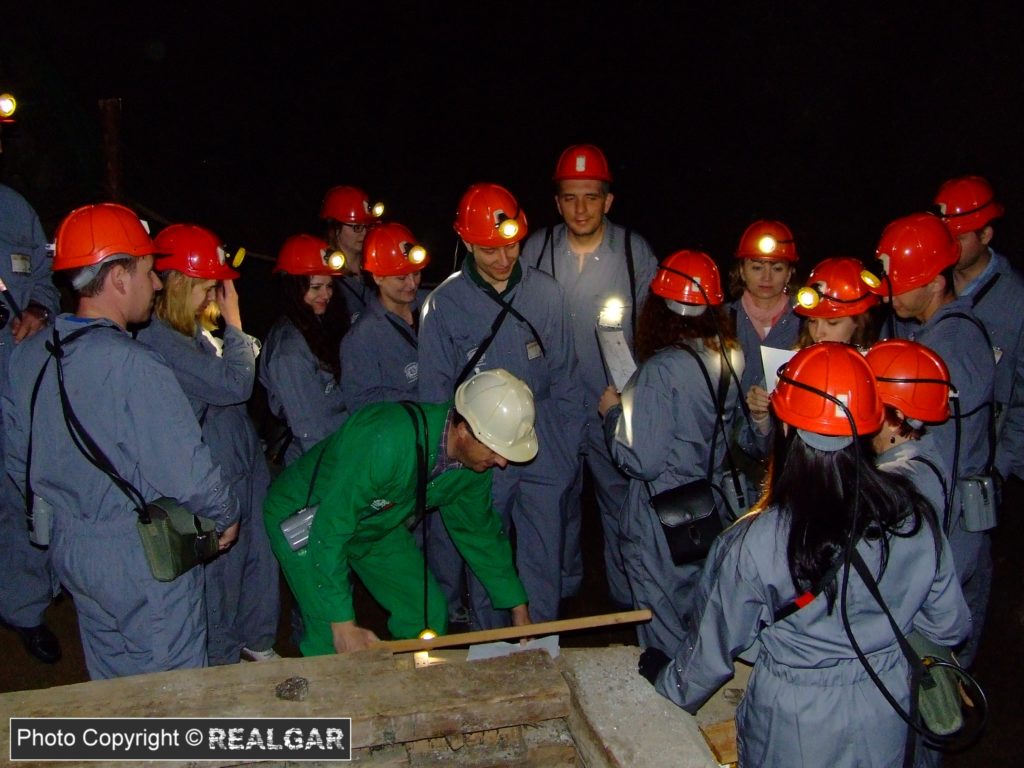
(193, 251)
(582, 161)
(309, 255)
(488, 215)
(835, 289)
(681, 276)
(390, 250)
(838, 370)
(766, 239)
(350, 205)
(93, 233)
(967, 204)
(912, 251)
(911, 377)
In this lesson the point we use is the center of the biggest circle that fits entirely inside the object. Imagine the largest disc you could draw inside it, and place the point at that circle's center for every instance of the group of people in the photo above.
(488, 398)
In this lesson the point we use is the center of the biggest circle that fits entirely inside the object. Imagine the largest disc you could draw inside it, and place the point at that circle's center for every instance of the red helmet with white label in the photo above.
(912, 378)
(350, 205)
(967, 204)
(93, 233)
(767, 239)
(835, 289)
(913, 250)
(489, 215)
(390, 250)
(688, 278)
(193, 251)
(309, 255)
(582, 161)
(838, 370)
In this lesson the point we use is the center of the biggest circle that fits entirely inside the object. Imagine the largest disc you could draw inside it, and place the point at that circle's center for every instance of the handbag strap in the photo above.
(483, 345)
(718, 398)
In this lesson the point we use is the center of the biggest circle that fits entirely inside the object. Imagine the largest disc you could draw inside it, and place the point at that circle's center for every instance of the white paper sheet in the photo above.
(618, 360)
(499, 649)
(773, 358)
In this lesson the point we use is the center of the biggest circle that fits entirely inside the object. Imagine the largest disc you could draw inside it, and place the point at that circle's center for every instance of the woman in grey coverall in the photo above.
(670, 428)
(242, 595)
(300, 365)
(809, 700)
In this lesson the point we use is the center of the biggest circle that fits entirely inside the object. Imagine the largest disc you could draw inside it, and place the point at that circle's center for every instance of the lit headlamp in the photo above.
(335, 260)
(7, 106)
(811, 296)
(416, 254)
(427, 634)
(377, 210)
(507, 227)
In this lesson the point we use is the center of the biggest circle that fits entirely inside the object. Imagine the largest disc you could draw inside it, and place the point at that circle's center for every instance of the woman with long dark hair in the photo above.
(217, 374)
(670, 428)
(810, 700)
(301, 364)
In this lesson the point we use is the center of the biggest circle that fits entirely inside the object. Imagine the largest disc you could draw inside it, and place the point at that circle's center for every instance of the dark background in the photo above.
(834, 117)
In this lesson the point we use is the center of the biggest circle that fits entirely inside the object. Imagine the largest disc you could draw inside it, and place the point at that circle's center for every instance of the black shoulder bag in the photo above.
(689, 514)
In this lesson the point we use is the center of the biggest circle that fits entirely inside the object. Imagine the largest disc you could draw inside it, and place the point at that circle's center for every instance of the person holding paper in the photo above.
(837, 306)
(669, 428)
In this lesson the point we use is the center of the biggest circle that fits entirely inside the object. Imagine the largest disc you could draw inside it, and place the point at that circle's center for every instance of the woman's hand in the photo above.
(349, 636)
(757, 402)
(609, 399)
(227, 300)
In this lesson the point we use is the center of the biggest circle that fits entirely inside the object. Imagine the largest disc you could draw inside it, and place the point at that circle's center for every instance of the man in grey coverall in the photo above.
(604, 269)
(132, 407)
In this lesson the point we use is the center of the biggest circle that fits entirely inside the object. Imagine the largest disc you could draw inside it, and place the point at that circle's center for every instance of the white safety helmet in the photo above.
(499, 409)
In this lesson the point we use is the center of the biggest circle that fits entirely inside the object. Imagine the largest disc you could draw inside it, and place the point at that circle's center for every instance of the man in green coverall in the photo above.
(365, 487)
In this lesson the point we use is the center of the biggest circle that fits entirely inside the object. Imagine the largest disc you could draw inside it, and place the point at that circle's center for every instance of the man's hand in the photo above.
(349, 636)
(521, 615)
(32, 320)
(228, 537)
(609, 399)
(227, 300)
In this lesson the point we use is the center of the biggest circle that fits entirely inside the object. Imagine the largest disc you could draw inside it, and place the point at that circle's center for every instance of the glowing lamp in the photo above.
(611, 313)
(238, 258)
(427, 634)
(767, 244)
(7, 105)
(335, 260)
(417, 254)
(377, 210)
(870, 279)
(808, 297)
(508, 228)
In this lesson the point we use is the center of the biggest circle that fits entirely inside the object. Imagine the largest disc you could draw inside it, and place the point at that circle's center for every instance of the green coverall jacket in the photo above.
(366, 492)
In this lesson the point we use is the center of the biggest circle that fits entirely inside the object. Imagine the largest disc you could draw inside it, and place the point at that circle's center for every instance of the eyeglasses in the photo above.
(357, 228)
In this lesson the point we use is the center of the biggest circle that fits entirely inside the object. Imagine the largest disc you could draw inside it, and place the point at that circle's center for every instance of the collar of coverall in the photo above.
(469, 265)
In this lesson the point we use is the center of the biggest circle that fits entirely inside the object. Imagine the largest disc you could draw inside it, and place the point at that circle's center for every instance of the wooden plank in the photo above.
(516, 633)
(387, 705)
(489, 749)
(721, 738)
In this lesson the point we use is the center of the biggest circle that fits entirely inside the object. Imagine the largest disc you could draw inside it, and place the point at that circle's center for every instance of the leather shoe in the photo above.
(41, 643)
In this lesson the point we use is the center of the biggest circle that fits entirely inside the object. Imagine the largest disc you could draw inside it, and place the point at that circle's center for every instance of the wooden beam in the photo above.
(387, 699)
(516, 633)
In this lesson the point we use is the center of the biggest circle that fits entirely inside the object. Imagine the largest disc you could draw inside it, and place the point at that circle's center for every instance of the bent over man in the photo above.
(364, 480)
